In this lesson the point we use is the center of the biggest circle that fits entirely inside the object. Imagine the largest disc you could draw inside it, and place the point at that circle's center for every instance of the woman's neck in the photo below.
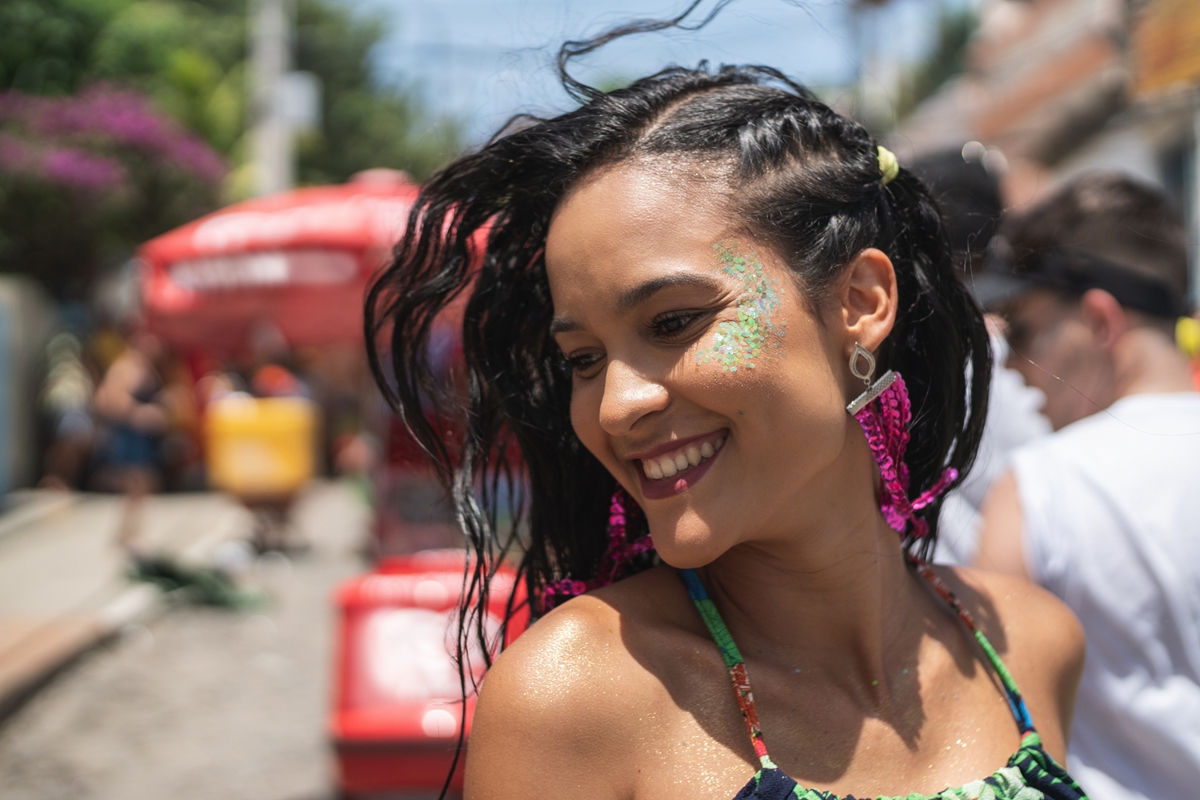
(829, 592)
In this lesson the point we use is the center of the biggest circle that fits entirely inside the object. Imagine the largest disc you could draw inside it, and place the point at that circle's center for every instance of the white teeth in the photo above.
(668, 466)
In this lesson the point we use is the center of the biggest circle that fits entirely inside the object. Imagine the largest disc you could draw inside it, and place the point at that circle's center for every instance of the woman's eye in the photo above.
(674, 324)
(584, 364)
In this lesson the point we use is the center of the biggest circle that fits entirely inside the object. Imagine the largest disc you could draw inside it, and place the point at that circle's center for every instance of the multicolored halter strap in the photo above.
(733, 661)
(1016, 703)
(741, 683)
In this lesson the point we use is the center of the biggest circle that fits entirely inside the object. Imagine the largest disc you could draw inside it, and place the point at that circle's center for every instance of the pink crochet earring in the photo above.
(614, 564)
(884, 412)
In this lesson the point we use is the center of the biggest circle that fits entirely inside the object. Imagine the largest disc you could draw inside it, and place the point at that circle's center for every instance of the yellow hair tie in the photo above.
(889, 167)
(1187, 335)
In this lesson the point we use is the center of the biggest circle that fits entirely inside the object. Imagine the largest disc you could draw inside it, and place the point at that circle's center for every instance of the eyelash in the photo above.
(658, 325)
(580, 364)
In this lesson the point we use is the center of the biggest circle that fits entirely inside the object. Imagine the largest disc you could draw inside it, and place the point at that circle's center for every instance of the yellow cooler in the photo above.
(261, 447)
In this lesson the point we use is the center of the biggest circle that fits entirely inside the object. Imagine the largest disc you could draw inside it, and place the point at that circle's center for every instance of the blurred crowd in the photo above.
(122, 412)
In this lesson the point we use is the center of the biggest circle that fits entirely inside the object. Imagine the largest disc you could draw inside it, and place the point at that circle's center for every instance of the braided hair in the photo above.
(806, 180)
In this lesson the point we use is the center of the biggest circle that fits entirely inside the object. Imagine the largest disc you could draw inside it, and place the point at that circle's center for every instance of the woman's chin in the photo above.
(687, 543)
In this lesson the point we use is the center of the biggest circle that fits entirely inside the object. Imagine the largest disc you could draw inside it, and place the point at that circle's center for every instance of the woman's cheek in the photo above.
(757, 330)
(585, 415)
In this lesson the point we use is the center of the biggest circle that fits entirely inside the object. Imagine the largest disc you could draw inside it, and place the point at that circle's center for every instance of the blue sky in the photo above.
(484, 60)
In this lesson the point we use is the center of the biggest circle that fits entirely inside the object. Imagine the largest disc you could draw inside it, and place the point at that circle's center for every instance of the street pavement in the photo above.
(159, 699)
(62, 582)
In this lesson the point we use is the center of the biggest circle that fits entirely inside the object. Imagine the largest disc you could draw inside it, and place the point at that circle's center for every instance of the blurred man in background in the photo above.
(1105, 513)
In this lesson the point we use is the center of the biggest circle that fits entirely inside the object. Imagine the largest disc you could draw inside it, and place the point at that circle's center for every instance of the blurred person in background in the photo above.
(66, 402)
(276, 380)
(1105, 512)
(129, 406)
(965, 184)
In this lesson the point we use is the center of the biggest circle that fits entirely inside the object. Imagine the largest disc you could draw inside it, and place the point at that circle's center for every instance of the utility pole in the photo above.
(271, 136)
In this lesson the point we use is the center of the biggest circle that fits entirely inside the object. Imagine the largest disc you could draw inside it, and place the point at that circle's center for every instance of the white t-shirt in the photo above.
(1013, 419)
(1112, 527)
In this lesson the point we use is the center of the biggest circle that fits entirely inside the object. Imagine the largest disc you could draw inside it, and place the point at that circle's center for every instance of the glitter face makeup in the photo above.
(737, 344)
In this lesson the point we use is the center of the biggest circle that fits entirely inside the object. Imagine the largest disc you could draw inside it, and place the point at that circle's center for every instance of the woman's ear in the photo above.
(869, 299)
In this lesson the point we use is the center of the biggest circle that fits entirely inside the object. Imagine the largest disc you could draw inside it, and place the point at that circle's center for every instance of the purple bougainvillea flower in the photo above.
(109, 117)
(83, 170)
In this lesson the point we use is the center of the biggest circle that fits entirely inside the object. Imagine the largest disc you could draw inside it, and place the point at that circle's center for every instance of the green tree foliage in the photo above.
(190, 56)
(89, 169)
(45, 45)
(84, 178)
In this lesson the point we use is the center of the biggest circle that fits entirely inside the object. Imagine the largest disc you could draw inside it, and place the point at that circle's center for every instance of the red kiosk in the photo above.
(253, 281)
(398, 704)
(300, 260)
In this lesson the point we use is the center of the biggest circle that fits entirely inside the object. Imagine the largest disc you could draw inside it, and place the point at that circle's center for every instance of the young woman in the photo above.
(695, 298)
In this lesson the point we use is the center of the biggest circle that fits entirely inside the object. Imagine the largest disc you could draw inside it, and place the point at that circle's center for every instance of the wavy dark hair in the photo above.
(804, 180)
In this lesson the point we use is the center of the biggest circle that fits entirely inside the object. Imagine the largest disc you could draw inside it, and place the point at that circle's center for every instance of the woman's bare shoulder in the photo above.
(1016, 614)
(573, 689)
(603, 632)
(1038, 637)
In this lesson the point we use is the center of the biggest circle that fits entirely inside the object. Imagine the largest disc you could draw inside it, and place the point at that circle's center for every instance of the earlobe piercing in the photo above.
(865, 372)
(860, 353)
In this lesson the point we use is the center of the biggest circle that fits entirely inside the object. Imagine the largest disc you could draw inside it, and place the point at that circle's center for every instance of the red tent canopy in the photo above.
(299, 261)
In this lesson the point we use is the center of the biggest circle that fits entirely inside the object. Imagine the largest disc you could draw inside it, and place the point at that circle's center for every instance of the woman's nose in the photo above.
(628, 396)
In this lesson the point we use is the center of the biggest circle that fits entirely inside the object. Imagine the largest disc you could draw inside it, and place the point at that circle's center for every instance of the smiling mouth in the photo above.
(670, 464)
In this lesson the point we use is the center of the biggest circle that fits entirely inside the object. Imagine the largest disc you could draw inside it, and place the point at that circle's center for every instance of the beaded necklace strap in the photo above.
(736, 665)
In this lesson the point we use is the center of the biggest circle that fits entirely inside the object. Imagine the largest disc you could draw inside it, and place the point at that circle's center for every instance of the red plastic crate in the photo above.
(397, 703)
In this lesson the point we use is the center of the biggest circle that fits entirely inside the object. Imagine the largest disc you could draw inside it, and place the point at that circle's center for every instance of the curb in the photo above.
(38, 650)
(57, 644)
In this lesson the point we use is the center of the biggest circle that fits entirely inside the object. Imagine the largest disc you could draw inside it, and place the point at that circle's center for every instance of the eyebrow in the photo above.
(643, 292)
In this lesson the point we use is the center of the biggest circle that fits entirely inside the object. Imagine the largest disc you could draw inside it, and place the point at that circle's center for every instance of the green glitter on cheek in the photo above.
(738, 343)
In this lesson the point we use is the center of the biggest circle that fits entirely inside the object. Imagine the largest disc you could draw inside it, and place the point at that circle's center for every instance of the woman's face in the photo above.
(702, 379)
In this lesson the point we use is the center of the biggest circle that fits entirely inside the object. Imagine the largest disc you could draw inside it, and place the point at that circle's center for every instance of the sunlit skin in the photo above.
(864, 683)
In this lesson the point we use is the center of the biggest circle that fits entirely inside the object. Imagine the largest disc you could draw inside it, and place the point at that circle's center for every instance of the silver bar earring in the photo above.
(873, 390)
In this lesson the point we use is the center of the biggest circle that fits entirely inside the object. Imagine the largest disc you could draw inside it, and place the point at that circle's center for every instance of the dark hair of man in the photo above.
(803, 180)
(1110, 216)
(970, 200)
